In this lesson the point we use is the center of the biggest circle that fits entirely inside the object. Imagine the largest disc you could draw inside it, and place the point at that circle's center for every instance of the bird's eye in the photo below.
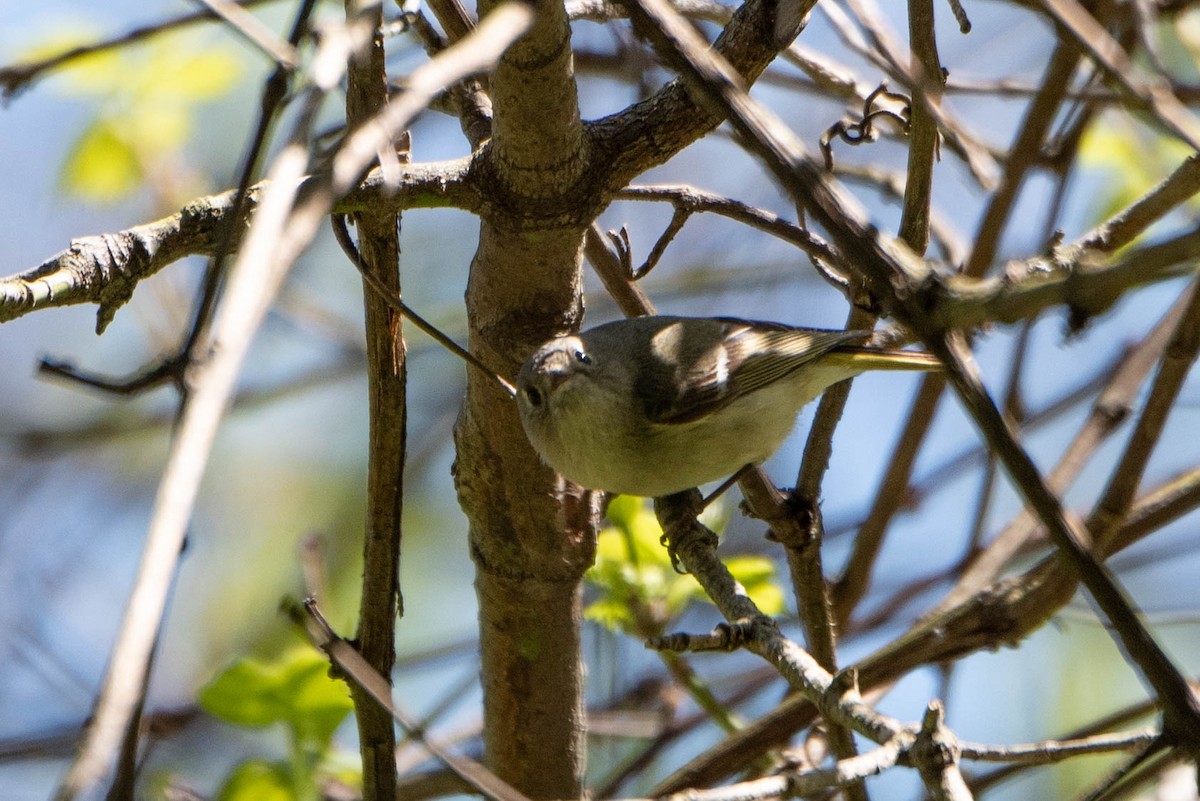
(582, 357)
(533, 396)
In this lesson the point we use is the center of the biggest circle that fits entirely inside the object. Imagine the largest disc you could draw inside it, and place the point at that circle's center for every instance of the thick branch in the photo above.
(15, 78)
(285, 227)
(387, 372)
(652, 131)
(894, 273)
(105, 269)
(1069, 279)
(531, 539)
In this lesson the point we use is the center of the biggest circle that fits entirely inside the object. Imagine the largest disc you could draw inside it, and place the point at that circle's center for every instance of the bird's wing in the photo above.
(694, 372)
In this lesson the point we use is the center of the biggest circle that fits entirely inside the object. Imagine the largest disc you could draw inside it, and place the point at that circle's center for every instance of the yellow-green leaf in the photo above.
(610, 613)
(294, 689)
(633, 566)
(768, 597)
(257, 780)
(158, 127)
(204, 74)
(1131, 159)
(93, 74)
(757, 575)
(101, 166)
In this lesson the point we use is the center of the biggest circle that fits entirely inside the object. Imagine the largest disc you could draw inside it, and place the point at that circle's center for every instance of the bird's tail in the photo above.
(864, 357)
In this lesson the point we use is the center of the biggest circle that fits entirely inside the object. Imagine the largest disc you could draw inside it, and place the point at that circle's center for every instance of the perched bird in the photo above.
(655, 405)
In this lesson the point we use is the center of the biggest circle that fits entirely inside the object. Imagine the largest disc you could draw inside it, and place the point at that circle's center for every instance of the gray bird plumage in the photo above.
(654, 405)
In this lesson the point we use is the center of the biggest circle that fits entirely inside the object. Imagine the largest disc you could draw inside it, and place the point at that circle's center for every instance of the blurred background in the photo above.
(131, 137)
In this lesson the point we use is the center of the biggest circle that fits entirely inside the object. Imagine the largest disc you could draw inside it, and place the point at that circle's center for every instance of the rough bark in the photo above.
(530, 541)
(386, 375)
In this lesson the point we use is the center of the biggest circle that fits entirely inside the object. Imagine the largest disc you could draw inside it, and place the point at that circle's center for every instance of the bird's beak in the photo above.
(556, 368)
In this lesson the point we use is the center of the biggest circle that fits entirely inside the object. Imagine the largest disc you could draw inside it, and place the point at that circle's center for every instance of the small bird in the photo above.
(655, 405)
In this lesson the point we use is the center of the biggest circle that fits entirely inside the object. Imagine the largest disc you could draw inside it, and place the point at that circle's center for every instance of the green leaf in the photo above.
(158, 128)
(610, 612)
(200, 75)
(1131, 159)
(632, 566)
(757, 575)
(623, 509)
(768, 597)
(319, 703)
(751, 570)
(294, 690)
(145, 100)
(635, 534)
(682, 592)
(258, 780)
(90, 75)
(102, 165)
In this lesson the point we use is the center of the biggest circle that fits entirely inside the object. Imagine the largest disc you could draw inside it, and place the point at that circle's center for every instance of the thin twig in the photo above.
(342, 234)
(1110, 409)
(252, 30)
(895, 273)
(381, 597)
(689, 200)
(845, 773)
(281, 229)
(1133, 772)
(343, 654)
(1050, 751)
(17, 77)
(1126, 476)
(1100, 727)
(610, 259)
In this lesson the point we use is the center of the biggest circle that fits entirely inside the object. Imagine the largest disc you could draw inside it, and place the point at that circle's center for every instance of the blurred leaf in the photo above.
(258, 780)
(101, 166)
(295, 690)
(757, 575)
(320, 703)
(197, 75)
(633, 568)
(1132, 160)
(161, 127)
(93, 74)
(178, 66)
(680, 594)
(148, 96)
(610, 612)
(623, 509)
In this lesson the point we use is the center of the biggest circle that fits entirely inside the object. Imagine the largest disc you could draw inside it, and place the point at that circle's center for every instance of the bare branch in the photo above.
(894, 272)
(105, 269)
(17, 77)
(1050, 751)
(1154, 97)
(844, 773)
(253, 31)
(284, 225)
(344, 656)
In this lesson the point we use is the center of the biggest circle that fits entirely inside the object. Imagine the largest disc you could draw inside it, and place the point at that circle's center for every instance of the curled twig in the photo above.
(856, 133)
